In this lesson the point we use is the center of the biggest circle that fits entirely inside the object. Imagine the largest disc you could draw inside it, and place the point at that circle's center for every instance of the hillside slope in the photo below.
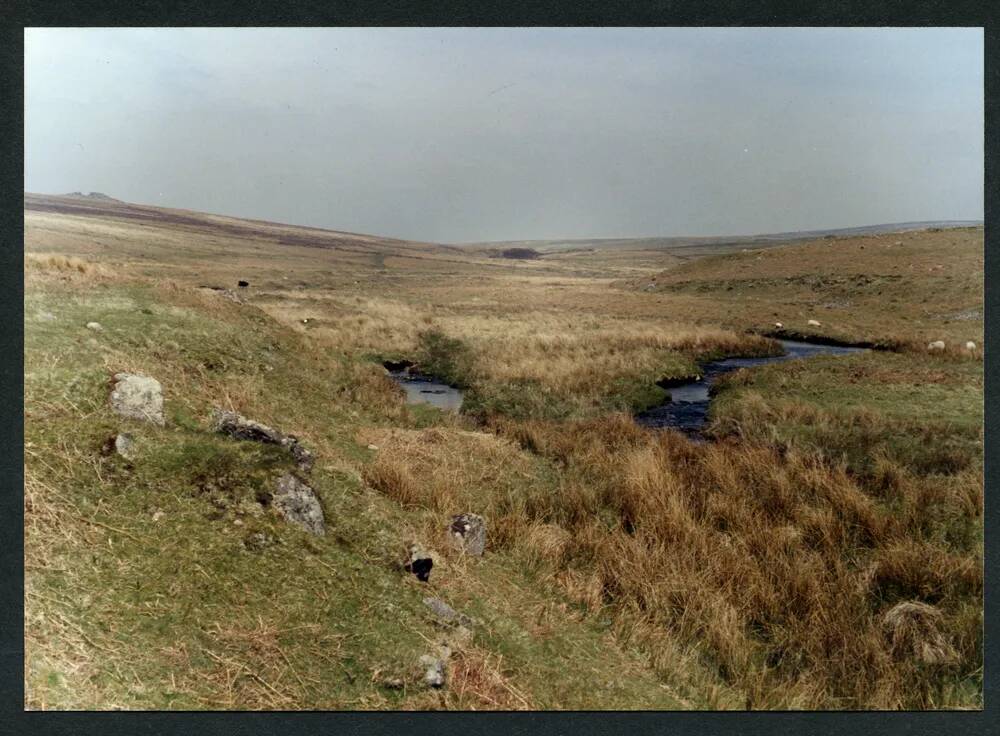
(916, 286)
(161, 581)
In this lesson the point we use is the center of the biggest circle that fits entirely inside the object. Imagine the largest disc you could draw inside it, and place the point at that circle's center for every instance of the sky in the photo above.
(461, 135)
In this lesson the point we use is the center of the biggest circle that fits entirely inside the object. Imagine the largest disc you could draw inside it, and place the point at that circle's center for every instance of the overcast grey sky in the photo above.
(487, 134)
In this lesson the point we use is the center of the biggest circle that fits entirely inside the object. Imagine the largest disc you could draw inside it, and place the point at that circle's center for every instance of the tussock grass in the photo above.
(778, 563)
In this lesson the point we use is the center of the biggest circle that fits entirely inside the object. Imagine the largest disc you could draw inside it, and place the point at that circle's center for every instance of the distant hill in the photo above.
(693, 245)
(92, 195)
(101, 206)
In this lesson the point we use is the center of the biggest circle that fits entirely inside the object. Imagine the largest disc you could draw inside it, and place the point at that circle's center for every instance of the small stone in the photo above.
(125, 445)
(258, 541)
(469, 531)
(95, 326)
(297, 503)
(434, 674)
(138, 397)
(157, 515)
(237, 522)
(446, 613)
(461, 637)
(372, 447)
(419, 561)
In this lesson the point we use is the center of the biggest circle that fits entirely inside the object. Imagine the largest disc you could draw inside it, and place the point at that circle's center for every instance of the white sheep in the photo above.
(970, 345)
(935, 346)
(779, 325)
(813, 323)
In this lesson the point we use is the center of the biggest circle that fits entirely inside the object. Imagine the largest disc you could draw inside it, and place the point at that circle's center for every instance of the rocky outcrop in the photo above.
(138, 397)
(297, 503)
(469, 533)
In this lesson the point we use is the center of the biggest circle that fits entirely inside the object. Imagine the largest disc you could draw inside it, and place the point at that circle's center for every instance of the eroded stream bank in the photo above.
(687, 408)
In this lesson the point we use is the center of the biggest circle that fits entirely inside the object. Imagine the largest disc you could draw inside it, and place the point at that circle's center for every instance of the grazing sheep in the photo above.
(779, 325)
(935, 346)
(970, 345)
(813, 323)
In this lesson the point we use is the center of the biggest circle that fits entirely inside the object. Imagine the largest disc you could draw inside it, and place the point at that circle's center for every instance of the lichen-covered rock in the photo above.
(239, 427)
(469, 532)
(297, 503)
(138, 397)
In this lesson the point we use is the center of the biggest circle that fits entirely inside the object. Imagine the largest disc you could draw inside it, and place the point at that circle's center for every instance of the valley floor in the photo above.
(824, 550)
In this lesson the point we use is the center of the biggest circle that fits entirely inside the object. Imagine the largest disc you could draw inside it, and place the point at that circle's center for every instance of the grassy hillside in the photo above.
(144, 587)
(911, 287)
(625, 568)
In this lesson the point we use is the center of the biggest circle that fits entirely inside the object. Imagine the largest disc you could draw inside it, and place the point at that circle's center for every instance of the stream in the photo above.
(425, 390)
(686, 409)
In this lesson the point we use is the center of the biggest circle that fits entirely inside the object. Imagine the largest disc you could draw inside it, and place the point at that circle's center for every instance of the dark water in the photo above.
(687, 407)
(422, 390)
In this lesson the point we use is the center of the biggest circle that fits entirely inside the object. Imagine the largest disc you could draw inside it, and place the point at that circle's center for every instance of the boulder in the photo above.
(297, 503)
(419, 561)
(243, 284)
(469, 532)
(239, 427)
(138, 397)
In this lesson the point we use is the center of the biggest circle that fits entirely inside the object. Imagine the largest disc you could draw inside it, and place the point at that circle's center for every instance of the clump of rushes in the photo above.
(449, 359)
